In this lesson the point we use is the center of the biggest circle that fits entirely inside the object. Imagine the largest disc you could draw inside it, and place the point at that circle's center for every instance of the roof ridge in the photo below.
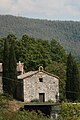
(25, 75)
(50, 74)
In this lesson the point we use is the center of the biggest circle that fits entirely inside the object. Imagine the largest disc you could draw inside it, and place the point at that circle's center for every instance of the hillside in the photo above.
(66, 32)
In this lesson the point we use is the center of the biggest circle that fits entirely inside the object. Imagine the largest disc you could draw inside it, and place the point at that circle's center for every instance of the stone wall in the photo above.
(20, 95)
(32, 87)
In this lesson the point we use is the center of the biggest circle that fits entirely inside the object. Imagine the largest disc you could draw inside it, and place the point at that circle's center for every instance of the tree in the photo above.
(12, 67)
(76, 82)
(33, 52)
(72, 80)
(5, 75)
(59, 69)
(57, 51)
(69, 77)
(9, 65)
(1, 48)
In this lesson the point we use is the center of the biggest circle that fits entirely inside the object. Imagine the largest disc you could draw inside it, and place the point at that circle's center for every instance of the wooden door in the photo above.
(42, 97)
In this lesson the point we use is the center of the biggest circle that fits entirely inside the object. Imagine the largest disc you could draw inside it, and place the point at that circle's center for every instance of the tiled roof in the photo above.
(28, 74)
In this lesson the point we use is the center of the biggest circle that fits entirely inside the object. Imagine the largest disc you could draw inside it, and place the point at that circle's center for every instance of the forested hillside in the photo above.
(66, 32)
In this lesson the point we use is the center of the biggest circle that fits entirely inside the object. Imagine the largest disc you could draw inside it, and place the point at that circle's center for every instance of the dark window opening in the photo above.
(40, 79)
(19, 73)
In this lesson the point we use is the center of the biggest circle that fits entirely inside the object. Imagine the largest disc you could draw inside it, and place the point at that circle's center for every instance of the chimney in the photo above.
(20, 68)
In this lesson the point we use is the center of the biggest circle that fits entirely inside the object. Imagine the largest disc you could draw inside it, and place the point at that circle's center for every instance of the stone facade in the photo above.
(32, 85)
(39, 85)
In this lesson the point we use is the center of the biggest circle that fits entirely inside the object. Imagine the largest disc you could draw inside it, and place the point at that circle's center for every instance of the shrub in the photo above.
(35, 100)
(70, 111)
(51, 101)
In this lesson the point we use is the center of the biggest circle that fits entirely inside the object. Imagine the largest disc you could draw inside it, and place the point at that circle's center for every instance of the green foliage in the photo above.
(10, 114)
(76, 82)
(1, 48)
(72, 80)
(69, 77)
(59, 69)
(35, 100)
(35, 52)
(6, 66)
(50, 101)
(70, 111)
(22, 115)
(12, 66)
(66, 32)
(38, 52)
(58, 53)
(9, 66)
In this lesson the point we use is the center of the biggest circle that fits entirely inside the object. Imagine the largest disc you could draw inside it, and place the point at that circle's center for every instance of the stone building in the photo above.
(39, 85)
(32, 85)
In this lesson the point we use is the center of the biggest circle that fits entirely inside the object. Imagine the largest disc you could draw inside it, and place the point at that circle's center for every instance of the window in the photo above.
(40, 79)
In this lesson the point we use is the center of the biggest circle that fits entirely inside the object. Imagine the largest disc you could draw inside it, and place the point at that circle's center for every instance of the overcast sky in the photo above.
(42, 9)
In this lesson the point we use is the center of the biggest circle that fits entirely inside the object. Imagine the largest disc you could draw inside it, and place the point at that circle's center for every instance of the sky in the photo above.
(42, 9)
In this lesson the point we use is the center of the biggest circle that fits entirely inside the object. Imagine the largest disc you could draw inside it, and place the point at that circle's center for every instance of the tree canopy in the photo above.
(72, 80)
(9, 66)
(66, 32)
(35, 52)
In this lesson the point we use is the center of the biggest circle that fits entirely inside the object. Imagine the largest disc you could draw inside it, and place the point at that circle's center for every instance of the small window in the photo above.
(40, 79)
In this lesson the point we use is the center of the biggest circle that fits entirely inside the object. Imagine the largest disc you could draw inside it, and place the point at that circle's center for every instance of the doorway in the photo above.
(42, 97)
